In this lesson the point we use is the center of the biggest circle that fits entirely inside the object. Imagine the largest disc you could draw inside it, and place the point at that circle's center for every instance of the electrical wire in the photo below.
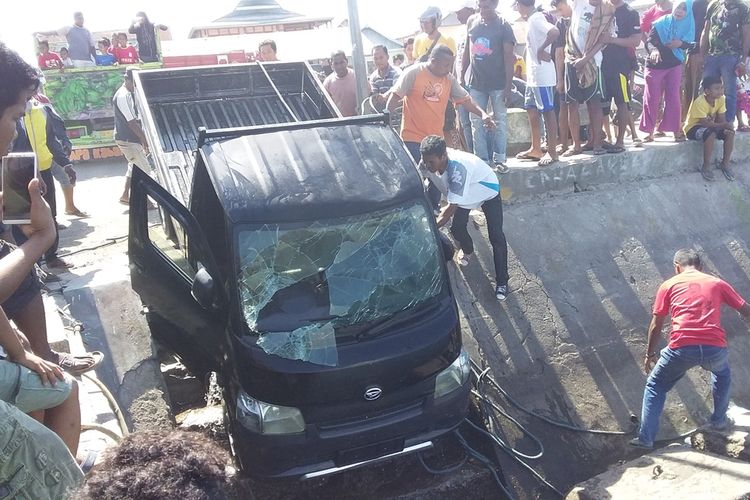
(112, 402)
(446, 470)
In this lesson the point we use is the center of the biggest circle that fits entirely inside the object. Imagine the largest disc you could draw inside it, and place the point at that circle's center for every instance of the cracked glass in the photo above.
(304, 286)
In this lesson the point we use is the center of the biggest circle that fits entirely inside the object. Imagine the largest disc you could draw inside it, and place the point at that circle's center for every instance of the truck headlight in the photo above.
(265, 418)
(454, 376)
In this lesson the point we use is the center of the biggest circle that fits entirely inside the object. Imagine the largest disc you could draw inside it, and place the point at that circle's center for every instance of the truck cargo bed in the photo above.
(176, 103)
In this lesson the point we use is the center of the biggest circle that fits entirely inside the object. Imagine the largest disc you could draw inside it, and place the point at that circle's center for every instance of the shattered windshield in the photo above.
(302, 286)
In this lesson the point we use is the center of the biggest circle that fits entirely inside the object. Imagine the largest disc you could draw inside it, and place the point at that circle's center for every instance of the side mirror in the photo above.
(447, 244)
(203, 289)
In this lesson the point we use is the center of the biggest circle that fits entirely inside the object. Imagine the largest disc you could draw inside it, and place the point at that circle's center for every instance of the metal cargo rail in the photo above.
(175, 104)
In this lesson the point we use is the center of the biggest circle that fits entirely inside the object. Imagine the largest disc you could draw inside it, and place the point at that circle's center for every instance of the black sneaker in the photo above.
(637, 443)
(501, 292)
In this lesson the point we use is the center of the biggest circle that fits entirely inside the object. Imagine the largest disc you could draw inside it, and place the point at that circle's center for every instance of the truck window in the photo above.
(168, 236)
(308, 284)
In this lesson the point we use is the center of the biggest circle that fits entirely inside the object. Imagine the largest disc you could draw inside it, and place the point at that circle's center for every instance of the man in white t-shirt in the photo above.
(541, 78)
(468, 183)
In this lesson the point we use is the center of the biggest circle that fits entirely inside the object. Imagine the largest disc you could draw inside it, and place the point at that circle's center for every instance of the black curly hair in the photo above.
(17, 77)
(153, 465)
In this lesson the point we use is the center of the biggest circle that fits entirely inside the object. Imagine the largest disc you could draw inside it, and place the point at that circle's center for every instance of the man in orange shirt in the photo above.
(426, 89)
(693, 299)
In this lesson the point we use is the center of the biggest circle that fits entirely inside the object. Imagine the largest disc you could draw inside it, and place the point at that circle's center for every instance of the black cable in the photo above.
(484, 461)
(447, 470)
(533, 413)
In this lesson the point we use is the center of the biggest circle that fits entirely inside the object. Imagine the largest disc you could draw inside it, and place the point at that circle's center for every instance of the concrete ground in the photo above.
(589, 240)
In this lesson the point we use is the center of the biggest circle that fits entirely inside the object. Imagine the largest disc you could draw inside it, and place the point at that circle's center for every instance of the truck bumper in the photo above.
(323, 450)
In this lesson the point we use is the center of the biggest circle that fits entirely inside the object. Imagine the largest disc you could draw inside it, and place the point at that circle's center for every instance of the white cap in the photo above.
(464, 4)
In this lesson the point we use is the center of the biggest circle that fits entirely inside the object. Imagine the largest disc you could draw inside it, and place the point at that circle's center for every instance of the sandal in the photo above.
(547, 161)
(599, 152)
(76, 213)
(57, 262)
(727, 172)
(572, 152)
(462, 259)
(526, 156)
(77, 365)
(660, 134)
(706, 174)
(615, 149)
(744, 128)
(648, 138)
(88, 463)
(680, 138)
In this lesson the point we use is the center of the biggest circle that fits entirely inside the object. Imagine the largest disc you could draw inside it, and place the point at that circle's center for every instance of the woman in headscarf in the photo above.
(670, 37)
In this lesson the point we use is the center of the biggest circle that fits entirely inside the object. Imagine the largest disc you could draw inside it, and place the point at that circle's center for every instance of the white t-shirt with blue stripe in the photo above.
(470, 180)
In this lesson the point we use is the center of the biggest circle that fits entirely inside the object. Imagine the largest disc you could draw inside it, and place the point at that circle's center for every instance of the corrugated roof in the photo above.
(260, 12)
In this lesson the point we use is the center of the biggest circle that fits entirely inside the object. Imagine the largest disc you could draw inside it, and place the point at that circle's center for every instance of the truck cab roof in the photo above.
(310, 171)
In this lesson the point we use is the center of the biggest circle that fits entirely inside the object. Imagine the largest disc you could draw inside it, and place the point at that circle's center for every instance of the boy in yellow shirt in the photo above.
(706, 121)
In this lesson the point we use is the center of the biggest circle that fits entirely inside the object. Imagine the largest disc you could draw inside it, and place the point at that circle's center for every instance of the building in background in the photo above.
(258, 16)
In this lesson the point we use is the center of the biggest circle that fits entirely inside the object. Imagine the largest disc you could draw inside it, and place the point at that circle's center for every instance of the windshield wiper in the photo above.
(405, 315)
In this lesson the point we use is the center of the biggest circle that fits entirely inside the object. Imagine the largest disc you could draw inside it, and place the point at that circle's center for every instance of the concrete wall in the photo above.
(570, 339)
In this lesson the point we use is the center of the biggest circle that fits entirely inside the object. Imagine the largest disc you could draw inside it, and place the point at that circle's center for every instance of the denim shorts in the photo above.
(62, 177)
(27, 290)
(34, 462)
(23, 388)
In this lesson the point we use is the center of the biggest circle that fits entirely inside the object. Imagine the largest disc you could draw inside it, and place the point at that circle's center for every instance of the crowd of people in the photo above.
(82, 51)
(692, 53)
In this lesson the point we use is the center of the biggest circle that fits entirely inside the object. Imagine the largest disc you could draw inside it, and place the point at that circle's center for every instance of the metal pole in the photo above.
(358, 54)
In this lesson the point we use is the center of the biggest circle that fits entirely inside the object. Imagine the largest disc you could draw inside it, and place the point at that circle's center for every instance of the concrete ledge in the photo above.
(734, 443)
(672, 472)
(584, 172)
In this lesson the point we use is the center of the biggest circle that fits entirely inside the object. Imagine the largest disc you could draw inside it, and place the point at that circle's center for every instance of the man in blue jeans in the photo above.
(488, 52)
(693, 299)
(725, 43)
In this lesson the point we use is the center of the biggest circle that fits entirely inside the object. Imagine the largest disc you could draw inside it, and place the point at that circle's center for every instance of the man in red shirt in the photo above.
(47, 59)
(693, 299)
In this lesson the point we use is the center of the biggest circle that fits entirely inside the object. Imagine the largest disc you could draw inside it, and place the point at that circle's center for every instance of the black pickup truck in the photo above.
(296, 257)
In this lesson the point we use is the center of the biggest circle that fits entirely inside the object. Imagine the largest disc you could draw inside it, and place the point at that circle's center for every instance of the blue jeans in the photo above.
(464, 117)
(671, 367)
(479, 133)
(723, 66)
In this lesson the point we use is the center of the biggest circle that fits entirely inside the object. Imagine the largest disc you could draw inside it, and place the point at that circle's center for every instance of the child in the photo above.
(706, 121)
(743, 103)
(47, 59)
(66, 61)
(125, 54)
(104, 58)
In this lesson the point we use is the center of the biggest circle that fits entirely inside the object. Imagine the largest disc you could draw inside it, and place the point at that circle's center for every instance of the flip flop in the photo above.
(680, 138)
(743, 128)
(727, 173)
(547, 161)
(660, 134)
(77, 213)
(77, 365)
(706, 174)
(572, 152)
(615, 149)
(648, 138)
(527, 157)
(599, 152)
(88, 463)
